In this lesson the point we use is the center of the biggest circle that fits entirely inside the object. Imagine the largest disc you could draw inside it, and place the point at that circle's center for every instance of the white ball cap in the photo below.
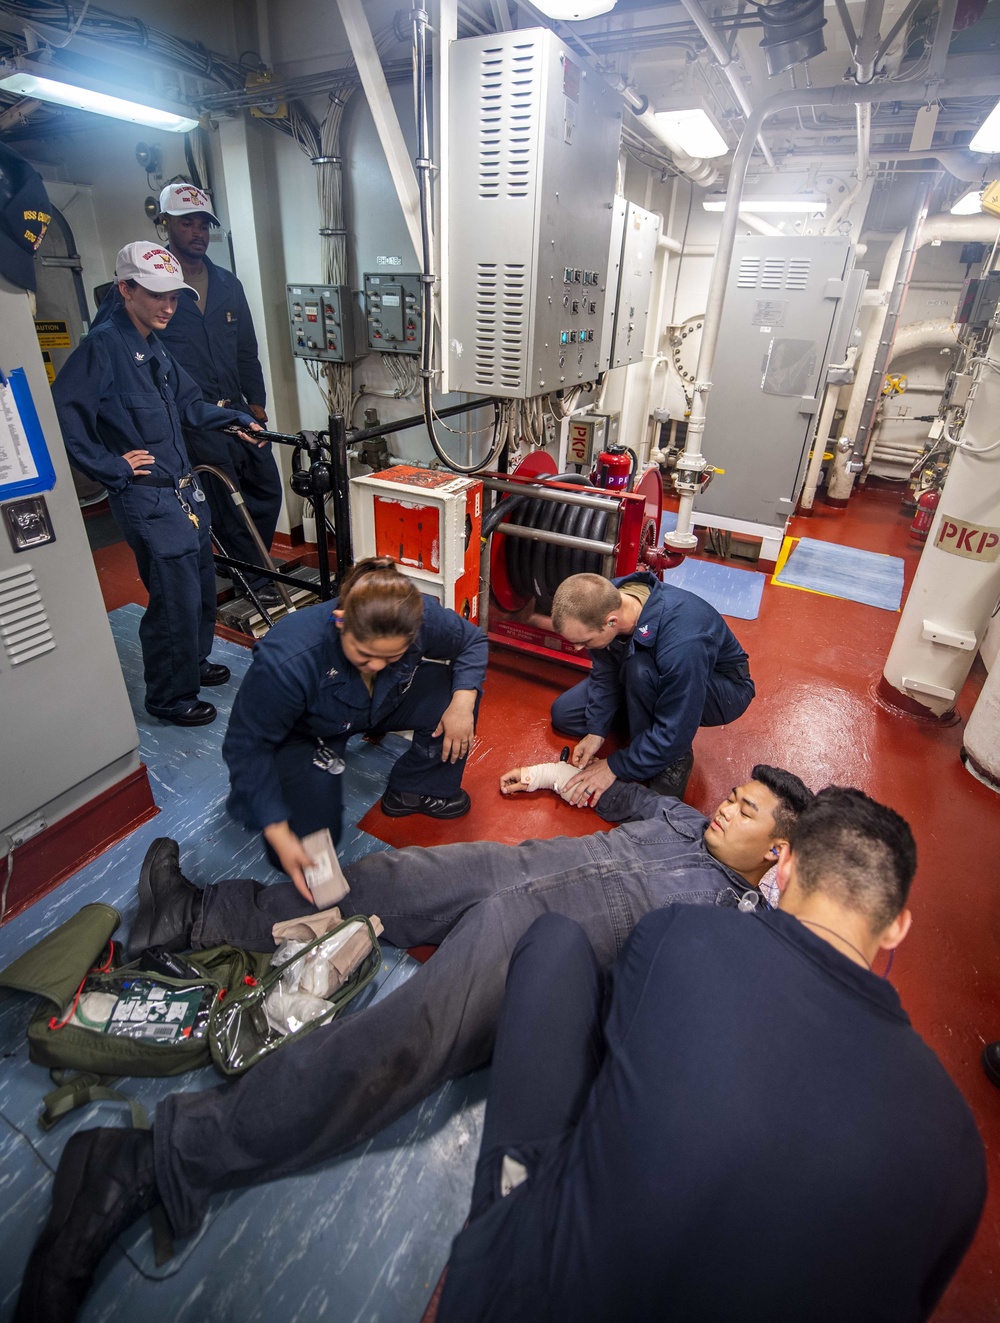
(152, 267)
(185, 200)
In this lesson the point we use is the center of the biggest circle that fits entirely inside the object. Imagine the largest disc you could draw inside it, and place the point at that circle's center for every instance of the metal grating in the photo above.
(501, 324)
(798, 273)
(508, 112)
(749, 273)
(24, 626)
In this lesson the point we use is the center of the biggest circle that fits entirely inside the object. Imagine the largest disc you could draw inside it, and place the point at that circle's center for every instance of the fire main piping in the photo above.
(692, 462)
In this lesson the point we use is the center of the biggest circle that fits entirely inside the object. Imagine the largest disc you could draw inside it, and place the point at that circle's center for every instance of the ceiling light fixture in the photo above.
(45, 83)
(693, 131)
(573, 11)
(987, 139)
(809, 204)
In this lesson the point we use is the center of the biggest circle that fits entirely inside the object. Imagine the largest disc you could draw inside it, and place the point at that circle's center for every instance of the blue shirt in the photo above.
(300, 683)
(119, 392)
(679, 643)
(215, 345)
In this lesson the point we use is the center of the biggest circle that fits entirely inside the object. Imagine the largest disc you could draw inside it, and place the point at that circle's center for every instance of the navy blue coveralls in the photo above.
(745, 1075)
(119, 392)
(302, 700)
(680, 668)
(217, 347)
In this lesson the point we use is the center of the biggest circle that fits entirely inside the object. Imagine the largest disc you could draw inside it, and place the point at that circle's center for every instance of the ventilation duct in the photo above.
(793, 32)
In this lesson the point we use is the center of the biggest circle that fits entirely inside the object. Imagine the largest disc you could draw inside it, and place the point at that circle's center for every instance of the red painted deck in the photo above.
(816, 661)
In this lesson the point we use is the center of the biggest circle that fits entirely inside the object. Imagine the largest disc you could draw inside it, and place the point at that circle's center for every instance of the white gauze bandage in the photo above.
(548, 776)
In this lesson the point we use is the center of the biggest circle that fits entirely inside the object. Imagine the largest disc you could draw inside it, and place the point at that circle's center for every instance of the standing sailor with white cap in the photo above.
(212, 338)
(122, 402)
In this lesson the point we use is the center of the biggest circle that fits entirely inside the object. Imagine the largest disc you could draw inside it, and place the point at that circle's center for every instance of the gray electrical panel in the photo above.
(630, 282)
(782, 308)
(321, 321)
(534, 141)
(392, 313)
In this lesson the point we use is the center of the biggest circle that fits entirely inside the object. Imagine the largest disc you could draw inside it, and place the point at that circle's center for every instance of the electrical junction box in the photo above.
(430, 523)
(532, 156)
(634, 237)
(392, 313)
(977, 304)
(321, 321)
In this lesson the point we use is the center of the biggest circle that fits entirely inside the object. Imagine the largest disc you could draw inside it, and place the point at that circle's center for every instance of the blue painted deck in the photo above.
(359, 1239)
(858, 576)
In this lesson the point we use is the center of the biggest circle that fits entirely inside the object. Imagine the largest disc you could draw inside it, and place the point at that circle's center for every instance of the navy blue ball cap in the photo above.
(25, 212)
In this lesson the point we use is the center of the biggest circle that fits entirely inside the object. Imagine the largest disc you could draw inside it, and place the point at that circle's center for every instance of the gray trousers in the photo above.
(348, 1080)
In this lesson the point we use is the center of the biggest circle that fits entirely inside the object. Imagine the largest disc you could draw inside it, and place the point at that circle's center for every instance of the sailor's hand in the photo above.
(247, 434)
(512, 782)
(458, 726)
(140, 461)
(292, 855)
(588, 786)
(587, 750)
(259, 412)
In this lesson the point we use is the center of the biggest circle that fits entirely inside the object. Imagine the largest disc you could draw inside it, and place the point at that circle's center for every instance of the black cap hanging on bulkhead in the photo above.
(25, 212)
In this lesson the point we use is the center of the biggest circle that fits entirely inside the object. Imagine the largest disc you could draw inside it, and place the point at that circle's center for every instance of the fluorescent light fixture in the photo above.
(809, 204)
(44, 83)
(987, 139)
(693, 131)
(573, 11)
(968, 204)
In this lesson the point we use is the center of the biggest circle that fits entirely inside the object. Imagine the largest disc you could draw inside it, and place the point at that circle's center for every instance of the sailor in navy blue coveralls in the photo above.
(302, 700)
(217, 347)
(116, 393)
(680, 668)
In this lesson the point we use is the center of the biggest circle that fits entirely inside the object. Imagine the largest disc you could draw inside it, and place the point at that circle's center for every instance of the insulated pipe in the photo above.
(692, 462)
(866, 50)
(956, 585)
(939, 333)
(725, 62)
(699, 171)
(820, 439)
(968, 229)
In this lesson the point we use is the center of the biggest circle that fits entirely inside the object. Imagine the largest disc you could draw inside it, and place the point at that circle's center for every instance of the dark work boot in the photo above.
(105, 1181)
(401, 803)
(674, 777)
(168, 902)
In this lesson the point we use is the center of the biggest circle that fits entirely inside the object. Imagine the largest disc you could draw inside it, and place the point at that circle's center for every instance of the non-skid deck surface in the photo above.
(364, 1236)
(838, 571)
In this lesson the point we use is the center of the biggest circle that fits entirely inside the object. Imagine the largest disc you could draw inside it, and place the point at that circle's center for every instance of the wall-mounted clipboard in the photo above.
(25, 466)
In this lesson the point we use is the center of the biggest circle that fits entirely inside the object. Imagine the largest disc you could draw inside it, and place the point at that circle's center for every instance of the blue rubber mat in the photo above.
(847, 572)
(361, 1238)
(735, 593)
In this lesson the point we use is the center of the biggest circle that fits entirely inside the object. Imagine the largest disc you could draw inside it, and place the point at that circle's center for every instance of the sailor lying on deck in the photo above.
(347, 1080)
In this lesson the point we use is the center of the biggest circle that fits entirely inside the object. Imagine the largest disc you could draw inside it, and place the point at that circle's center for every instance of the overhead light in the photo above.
(987, 139)
(694, 131)
(810, 204)
(573, 11)
(968, 204)
(45, 83)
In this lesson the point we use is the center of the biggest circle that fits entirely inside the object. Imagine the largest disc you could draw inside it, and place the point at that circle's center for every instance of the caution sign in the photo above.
(973, 541)
(50, 370)
(52, 335)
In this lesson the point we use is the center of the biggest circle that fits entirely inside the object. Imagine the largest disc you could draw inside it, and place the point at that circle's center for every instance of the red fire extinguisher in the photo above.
(923, 516)
(612, 468)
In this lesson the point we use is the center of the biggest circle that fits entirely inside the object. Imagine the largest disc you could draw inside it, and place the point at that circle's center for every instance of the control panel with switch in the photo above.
(392, 313)
(321, 321)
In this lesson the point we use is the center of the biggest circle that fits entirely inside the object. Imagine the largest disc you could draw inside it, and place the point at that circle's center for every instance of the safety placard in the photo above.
(52, 335)
(973, 541)
(579, 443)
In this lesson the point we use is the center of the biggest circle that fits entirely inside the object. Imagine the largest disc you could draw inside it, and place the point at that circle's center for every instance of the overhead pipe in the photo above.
(725, 61)
(866, 50)
(697, 169)
(692, 463)
(945, 227)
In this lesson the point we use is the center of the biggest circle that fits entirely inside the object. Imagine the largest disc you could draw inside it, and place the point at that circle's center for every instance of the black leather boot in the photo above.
(104, 1183)
(168, 903)
(674, 777)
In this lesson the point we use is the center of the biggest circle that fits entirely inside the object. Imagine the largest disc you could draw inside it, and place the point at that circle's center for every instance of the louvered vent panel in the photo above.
(24, 626)
(798, 273)
(508, 110)
(501, 324)
(773, 274)
(749, 273)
